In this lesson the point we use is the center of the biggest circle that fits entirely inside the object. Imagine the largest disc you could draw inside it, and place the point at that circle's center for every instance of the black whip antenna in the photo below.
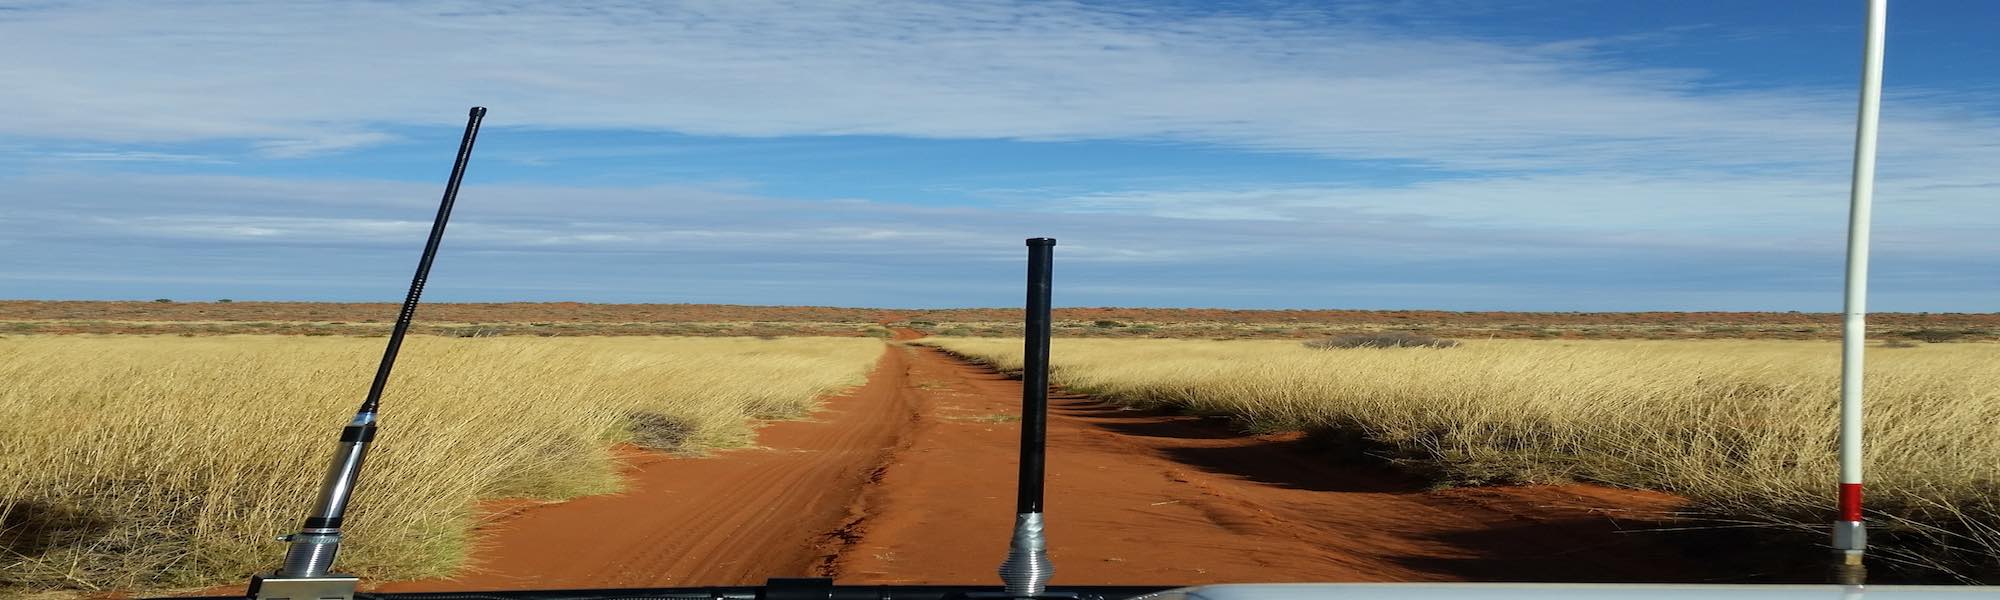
(305, 574)
(424, 264)
(1026, 570)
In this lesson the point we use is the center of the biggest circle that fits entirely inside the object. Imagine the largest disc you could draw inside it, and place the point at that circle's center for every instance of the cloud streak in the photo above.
(247, 238)
(297, 79)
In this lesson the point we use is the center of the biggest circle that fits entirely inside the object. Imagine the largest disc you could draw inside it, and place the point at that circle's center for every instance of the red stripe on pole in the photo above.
(1850, 502)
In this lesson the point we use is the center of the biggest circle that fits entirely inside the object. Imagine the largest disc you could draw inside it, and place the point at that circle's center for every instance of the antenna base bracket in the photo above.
(1850, 536)
(326, 587)
(1026, 570)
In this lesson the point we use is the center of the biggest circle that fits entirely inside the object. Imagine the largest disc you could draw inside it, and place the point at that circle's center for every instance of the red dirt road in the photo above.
(910, 479)
(1139, 497)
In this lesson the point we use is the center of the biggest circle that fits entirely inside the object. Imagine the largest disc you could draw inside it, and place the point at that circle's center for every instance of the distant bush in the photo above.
(224, 301)
(1935, 336)
(472, 332)
(164, 300)
(1107, 323)
(1391, 339)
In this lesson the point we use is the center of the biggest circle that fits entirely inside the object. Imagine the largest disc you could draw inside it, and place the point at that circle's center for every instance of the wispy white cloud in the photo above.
(311, 77)
(132, 156)
(255, 237)
(320, 144)
(237, 228)
(1759, 207)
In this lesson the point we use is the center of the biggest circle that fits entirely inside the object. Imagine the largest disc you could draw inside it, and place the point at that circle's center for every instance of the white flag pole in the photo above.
(1849, 534)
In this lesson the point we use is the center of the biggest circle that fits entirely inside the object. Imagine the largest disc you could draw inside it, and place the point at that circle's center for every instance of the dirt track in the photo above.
(909, 479)
(739, 516)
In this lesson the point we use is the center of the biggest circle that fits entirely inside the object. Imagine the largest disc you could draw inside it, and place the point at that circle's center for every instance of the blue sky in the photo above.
(1539, 155)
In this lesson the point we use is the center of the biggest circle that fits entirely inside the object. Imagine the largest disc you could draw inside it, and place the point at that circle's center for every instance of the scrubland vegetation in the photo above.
(553, 319)
(151, 462)
(1745, 429)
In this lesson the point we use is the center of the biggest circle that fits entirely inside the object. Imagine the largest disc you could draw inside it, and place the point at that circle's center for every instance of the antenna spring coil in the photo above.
(1027, 568)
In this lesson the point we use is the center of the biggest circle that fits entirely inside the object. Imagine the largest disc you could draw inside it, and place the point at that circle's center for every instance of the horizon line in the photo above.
(220, 301)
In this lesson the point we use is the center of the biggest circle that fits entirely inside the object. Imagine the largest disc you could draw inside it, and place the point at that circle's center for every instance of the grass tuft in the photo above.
(1387, 339)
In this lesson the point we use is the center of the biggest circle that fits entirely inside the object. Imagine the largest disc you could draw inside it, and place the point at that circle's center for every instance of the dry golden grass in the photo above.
(1744, 428)
(151, 462)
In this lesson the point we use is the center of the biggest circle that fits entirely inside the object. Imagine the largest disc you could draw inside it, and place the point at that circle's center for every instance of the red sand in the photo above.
(910, 479)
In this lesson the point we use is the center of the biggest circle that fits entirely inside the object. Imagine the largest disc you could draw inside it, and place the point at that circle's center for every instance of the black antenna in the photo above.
(1026, 570)
(424, 264)
(305, 575)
